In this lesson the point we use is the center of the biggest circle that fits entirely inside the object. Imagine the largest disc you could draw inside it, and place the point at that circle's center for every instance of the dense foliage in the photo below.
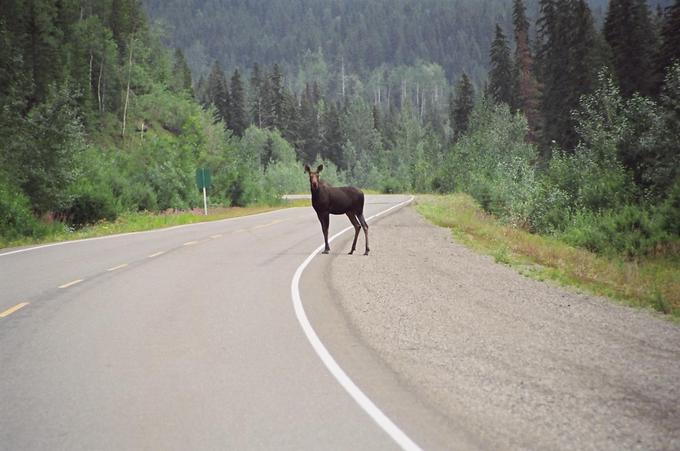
(555, 120)
(97, 117)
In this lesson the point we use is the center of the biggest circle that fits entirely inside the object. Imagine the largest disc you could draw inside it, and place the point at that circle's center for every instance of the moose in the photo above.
(328, 200)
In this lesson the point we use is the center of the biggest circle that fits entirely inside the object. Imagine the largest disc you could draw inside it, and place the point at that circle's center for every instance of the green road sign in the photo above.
(202, 178)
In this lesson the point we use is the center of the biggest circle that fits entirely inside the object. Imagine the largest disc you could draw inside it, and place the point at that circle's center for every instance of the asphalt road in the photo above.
(182, 338)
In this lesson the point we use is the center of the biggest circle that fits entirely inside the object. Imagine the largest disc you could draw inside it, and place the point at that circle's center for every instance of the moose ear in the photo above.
(307, 168)
(320, 168)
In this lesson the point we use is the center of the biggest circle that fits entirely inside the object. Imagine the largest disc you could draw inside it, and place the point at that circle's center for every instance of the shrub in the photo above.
(286, 178)
(89, 205)
(46, 147)
(552, 209)
(631, 231)
(669, 211)
(391, 185)
(140, 197)
(494, 164)
(16, 218)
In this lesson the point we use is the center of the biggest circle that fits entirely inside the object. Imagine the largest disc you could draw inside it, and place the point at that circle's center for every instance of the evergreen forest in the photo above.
(561, 117)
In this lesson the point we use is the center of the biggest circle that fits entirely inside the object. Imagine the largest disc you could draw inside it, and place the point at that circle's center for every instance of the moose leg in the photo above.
(324, 220)
(365, 226)
(355, 222)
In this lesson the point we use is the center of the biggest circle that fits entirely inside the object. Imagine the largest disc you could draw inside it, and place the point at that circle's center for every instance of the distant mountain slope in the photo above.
(456, 34)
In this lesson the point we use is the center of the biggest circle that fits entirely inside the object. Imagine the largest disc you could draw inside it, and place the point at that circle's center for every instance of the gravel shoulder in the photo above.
(497, 360)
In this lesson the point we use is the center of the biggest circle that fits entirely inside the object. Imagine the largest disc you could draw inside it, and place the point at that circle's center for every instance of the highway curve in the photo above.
(183, 338)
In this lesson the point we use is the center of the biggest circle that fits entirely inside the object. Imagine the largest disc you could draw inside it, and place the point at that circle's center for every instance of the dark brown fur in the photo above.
(345, 200)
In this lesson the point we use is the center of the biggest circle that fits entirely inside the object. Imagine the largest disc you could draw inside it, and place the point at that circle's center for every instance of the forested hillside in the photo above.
(362, 35)
(98, 118)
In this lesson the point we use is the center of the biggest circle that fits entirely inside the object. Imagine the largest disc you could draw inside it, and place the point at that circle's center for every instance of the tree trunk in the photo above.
(127, 94)
(343, 76)
(99, 87)
(90, 76)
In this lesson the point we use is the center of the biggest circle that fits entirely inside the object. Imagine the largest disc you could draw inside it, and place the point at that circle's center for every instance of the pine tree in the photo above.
(290, 118)
(266, 115)
(501, 74)
(119, 24)
(461, 106)
(273, 100)
(238, 120)
(309, 128)
(316, 92)
(202, 91)
(217, 92)
(11, 61)
(42, 54)
(267, 153)
(585, 45)
(127, 18)
(377, 122)
(256, 96)
(526, 87)
(332, 138)
(181, 81)
(670, 42)
(7, 72)
(569, 56)
(628, 31)
(553, 57)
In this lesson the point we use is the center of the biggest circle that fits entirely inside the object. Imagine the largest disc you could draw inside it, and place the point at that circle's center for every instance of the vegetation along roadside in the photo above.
(651, 282)
(141, 221)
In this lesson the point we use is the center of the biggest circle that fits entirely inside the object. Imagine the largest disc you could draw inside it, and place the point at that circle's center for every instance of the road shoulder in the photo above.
(494, 358)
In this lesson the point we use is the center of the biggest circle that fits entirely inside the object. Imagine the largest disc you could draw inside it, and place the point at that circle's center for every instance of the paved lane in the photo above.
(173, 339)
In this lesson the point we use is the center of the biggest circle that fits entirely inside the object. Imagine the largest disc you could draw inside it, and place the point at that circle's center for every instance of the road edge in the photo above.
(139, 232)
(336, 371)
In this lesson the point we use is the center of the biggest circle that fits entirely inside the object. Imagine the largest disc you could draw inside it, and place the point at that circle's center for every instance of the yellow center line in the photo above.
(11, 310)
(190, 243)
(156, 254)
(117, 267)
(269, 224)
(70, 284)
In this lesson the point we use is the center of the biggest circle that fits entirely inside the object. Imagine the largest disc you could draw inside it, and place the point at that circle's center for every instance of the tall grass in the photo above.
(650, 282)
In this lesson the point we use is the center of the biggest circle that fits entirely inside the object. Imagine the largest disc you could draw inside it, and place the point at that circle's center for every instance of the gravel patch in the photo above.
(527, 365)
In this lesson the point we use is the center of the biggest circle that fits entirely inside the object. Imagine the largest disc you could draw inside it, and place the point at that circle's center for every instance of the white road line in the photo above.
(156, 254)
(115, 268)
(11, 310)
(70, 284)
(364, 402)
(214, 237)
(167, 229)
(190, 243)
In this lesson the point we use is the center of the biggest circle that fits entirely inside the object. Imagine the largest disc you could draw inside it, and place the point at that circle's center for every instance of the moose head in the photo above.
(314, 176)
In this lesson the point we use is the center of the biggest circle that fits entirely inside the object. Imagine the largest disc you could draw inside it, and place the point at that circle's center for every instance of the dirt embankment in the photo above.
(526, 364)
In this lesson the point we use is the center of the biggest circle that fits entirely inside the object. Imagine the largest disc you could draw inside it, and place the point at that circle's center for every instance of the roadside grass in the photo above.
(652, 282)
(141, 221)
